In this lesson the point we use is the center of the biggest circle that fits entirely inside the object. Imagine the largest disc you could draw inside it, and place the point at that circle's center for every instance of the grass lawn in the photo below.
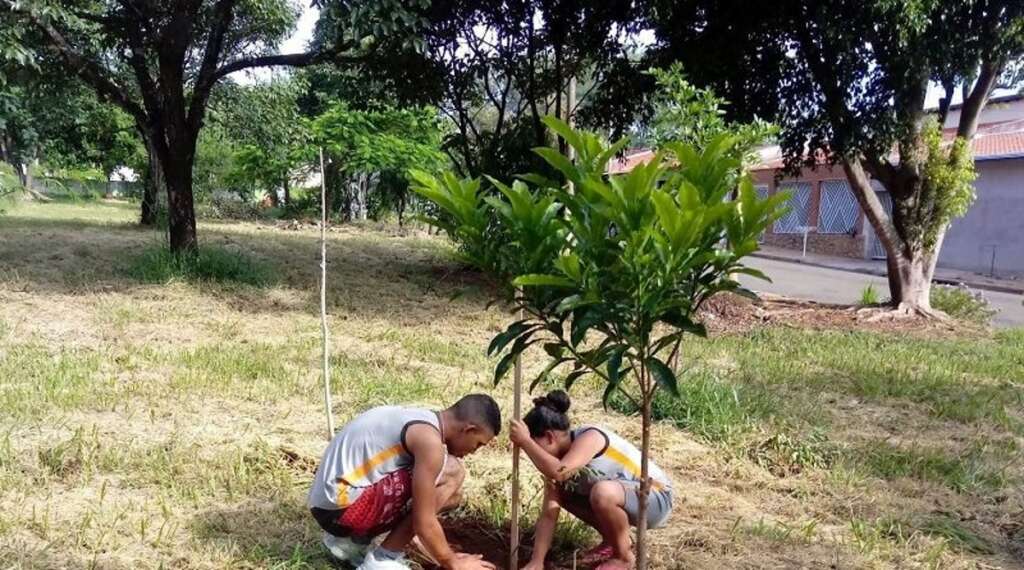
(147, 423)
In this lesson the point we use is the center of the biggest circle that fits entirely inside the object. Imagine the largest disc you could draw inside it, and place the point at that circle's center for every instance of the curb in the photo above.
(971, 284)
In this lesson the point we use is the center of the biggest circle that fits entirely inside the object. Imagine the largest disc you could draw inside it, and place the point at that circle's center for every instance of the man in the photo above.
(387, 458)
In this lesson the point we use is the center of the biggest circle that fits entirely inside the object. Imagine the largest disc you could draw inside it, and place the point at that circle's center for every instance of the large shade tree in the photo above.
(47, 118)
(848, 80)
(160, 61)
(495, 68)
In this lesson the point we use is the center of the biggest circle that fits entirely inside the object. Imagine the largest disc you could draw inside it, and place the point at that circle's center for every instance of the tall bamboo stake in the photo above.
(517, 410)
(323, 298)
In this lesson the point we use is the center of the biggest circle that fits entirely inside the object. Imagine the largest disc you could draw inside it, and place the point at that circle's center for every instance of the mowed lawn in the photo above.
(177, 425)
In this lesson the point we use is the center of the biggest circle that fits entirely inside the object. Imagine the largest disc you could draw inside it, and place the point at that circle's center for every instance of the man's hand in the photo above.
(534, 565)
(463, 561)
(518, 432)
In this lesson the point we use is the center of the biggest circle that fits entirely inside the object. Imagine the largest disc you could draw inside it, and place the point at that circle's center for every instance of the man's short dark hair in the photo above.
(479, 409)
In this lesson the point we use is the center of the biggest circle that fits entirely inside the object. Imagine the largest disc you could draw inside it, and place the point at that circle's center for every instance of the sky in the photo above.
(296, 43)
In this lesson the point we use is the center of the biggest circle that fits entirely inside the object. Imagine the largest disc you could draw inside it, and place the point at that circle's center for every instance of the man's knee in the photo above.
(453, 474)
(605, 495)
(452, 477)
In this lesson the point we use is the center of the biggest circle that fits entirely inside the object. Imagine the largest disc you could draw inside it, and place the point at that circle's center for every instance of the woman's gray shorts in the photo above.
(659, 505)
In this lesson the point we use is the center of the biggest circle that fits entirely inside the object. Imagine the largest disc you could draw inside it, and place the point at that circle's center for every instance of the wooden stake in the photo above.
(517, 411)
(323, 299)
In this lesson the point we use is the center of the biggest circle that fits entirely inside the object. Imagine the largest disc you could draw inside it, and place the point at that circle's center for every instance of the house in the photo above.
(988, 239)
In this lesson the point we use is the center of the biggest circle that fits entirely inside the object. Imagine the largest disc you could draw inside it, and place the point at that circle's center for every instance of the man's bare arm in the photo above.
(427, 449)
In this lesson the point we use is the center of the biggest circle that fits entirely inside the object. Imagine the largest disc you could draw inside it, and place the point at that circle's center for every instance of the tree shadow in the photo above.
(277, 533)
(371, 273)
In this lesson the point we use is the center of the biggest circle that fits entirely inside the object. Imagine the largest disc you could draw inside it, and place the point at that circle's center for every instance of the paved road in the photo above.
(834, 286)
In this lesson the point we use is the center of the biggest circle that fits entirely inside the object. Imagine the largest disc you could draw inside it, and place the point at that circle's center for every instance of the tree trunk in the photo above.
(913, 279)
(181, 214)
(288, 191)
(23, 176)
(401, 208)
(645, 481)
(153, 185)
(909, 268)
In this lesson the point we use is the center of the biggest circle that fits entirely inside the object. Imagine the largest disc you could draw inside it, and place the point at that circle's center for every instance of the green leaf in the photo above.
(559, 162)
(509, 359)
(753, 273)
(581, 323)
(554, 349)
(502, 339)
(663, 375)
(541, 280)
(546, 372)
(614, 376)
(684, 323)
(503, 365)
(574, 376)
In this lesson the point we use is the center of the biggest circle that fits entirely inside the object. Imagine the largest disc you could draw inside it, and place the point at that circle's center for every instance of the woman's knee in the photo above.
(606, 494)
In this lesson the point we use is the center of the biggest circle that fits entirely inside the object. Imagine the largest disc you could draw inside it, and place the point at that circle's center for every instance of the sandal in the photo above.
(598, 554)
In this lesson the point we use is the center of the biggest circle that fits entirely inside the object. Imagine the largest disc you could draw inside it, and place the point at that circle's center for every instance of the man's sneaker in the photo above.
(372, 562)
(345, 549)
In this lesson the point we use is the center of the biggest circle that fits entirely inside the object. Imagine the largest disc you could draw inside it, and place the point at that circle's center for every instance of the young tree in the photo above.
(364, 144)
(614, 271)
(159, 61)
(848, 81)
(264, 120)
(683, 112)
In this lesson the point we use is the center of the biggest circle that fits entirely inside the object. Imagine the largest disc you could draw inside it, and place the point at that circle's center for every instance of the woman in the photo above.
(592, 473)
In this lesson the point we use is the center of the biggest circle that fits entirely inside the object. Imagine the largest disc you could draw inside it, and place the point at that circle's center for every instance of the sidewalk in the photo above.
(877, 267)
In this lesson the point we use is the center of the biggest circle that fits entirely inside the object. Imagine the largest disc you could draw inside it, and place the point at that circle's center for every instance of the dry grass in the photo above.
(177, 426)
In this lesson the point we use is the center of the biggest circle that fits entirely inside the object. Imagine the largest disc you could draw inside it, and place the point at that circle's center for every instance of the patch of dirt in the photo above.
(730, 313)
(474, 535)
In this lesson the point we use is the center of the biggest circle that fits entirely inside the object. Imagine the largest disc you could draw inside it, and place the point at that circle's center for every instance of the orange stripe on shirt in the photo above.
(363, 470)
(629, 465)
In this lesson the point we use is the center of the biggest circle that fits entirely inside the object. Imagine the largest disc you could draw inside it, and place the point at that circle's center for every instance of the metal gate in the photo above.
(875, 247)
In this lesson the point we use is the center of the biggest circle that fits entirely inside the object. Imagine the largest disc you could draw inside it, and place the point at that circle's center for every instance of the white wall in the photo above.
(992, 113)
(996, 219)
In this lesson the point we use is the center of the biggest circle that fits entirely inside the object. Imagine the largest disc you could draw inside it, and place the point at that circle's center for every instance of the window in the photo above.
(762, 192)
(799, 204)
(838, 209)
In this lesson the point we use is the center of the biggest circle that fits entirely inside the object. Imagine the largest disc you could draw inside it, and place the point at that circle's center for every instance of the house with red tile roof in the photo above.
(988, 239)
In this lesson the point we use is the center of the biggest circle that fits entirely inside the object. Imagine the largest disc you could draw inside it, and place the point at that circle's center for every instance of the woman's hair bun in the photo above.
(556, 400)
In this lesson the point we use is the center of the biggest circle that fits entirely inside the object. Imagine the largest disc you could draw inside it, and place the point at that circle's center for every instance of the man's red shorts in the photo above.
(379, 508)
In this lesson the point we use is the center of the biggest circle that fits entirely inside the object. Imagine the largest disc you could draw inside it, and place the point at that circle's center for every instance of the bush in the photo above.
(960, 302)
(228, 208)
(159, 265)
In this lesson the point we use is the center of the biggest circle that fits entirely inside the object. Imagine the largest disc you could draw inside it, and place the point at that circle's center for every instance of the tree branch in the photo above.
(223, 15)
(970, 112)
(88, 70)
(286, 60)
(945, 102)
(872, 206)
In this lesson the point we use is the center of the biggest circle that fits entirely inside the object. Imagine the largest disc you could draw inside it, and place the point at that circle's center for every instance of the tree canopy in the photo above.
(160, 62)
(848, 82)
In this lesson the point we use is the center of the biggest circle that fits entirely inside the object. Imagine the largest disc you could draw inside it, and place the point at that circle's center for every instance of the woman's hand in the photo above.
(518, 432)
